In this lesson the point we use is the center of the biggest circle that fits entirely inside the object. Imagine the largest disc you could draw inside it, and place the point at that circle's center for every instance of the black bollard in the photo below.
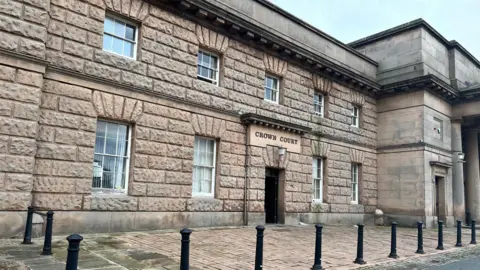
(468, 218)
(474, 237)
(185, 253)
(259, 249)
(440, 235)
(459, 233)
(47, 244)
(420, 238)
(359, 259)
(27, 237)
(393, 244)
(73, 250)
(317, 265)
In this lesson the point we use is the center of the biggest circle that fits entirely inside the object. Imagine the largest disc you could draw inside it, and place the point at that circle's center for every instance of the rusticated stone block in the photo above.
(9, 42)
(77, 49)
(22, 146)
(151, 148)
(29, 78)
(26, 111)
(171, 138)
(72, 169)
(204, 205)
(18, 182)
(15, 200)
(164, 163)
(255, 206)
(297, 207)
(339, 208)
(136, 80)
(233, 206)
(85, 154)
(180, 127)
(161, 204)
(46, 201)
(164, 190)
(84, 22)
(180, 152)
(83, 186)
(153, 121)
(145, 175)
(9, 24)
(56, 151)
(178, 178)
(67, 90)
(16, 164)
(65, 61)
(74, 137)
(167, 112)
(76, 106)
(110, 203)
(102, 71)
(11, 91)
(4, 144)
(54, 185)
(138, 189)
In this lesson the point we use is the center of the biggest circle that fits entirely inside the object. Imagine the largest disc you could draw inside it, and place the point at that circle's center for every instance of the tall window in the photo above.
(271, 88)
(119, 36)
(355, 112)
(317, 179)
(204, 167)
(207, 67)
(355, 183)
(111, 160)
(318, 101)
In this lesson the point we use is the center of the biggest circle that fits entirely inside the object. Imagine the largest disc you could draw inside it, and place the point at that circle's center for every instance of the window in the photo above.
(204, 167)
(318, 100)
(207, 69)
(355, 111)
(111, 160)
(271, 88)
(119, 37)
(317, 179)
(355, 183)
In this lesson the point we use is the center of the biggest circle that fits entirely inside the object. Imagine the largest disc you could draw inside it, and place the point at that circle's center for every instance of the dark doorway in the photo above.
(271, 195)
(440, 198)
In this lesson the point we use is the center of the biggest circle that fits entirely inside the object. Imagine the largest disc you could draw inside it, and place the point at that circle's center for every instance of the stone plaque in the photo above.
(263, 136)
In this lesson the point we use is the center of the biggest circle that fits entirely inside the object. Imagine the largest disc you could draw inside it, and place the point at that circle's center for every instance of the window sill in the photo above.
(271, 101)
(119, 55)
(318, 202)
(353, 202)
(108, 194)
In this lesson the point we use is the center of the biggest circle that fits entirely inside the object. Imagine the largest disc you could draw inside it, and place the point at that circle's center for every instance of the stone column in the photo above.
(457, 171)
(473, 173)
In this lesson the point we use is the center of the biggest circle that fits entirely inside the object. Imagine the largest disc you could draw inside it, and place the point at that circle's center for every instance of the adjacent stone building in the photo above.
(127, 115)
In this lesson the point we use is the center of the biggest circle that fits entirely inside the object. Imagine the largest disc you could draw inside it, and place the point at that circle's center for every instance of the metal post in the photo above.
(359, 259)
(440, 235)
(185, 253)
(420, 238)
(259, 249)
(468, 218)
(317, 265)
(459, 233)
(47, 244)
(27, 237)
(393, 244)
(73, 250)
(474, 237)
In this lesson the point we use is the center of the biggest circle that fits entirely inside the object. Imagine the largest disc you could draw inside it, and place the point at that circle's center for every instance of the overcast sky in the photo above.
(349, 20)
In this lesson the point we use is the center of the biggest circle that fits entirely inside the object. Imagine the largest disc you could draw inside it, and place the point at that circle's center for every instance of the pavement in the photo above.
(233, 248)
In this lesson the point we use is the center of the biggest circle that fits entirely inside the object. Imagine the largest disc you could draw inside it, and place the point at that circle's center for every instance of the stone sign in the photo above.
(263, 136)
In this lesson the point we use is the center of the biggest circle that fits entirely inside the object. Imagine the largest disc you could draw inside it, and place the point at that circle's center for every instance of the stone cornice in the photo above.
(428, 82)
(419, 145)
(440, 164)
(250, 118)
(40, 64)
(213, 17)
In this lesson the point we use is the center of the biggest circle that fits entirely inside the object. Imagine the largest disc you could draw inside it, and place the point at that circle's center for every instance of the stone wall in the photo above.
(49, 118)
(467, 73)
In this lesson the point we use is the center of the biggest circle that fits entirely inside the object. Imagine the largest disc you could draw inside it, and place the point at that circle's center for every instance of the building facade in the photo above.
(125, 115)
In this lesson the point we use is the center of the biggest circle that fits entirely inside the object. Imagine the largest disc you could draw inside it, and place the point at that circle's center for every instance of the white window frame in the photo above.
(276, 90)
(354, 181)
(354, 116)
(128, 157)
(212, 193)
(217, 71)
(319, 178)
(320, 103)
(135, 41)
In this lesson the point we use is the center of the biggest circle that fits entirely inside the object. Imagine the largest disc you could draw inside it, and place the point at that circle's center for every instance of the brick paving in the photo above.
(285, 247)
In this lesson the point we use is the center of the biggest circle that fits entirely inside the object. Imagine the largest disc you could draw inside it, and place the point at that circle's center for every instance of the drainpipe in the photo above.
(245, 187)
